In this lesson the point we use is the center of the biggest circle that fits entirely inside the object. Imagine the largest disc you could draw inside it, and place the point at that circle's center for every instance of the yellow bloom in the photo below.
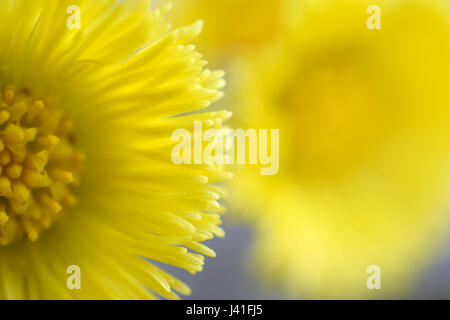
(86, 179)
(364, 146)
(232, 26)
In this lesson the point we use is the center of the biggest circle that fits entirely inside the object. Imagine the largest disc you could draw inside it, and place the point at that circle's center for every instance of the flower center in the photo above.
(39, 165)
(339, 124)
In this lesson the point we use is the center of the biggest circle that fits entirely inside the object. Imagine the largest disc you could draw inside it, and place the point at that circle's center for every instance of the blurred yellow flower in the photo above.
(364, 146)
(232, 26)
(87, 109)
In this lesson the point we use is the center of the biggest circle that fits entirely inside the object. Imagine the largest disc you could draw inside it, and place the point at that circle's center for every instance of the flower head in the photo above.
(86, 117)
(364, 139)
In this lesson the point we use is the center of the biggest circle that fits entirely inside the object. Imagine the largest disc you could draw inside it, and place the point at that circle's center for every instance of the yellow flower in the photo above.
(86, 179)
(364, 146)
(232, 26)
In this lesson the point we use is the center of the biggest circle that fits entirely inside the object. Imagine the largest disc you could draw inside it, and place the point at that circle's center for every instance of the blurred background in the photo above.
(229, 275)
(360, 93)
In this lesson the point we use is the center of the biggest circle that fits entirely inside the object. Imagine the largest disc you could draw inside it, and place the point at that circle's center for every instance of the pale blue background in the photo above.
(228, 276)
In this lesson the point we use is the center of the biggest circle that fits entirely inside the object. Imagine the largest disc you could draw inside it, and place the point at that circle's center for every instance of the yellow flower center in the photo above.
(39, 165)
(339, 124)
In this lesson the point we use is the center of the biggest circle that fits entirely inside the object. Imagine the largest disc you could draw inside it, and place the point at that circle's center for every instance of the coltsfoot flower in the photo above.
(86, 117)
(364, 147)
